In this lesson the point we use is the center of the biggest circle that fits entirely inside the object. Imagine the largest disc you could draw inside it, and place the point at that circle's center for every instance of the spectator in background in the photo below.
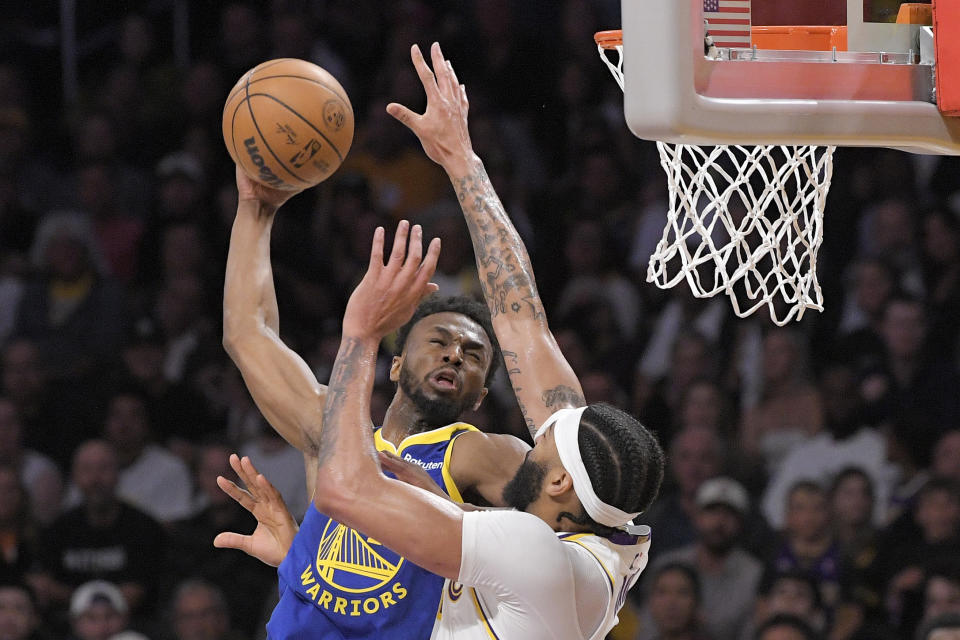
(18, 612)
(151, 478)
(117, 231)
(176, 410)
(946, 456)
(809, 545)
(908, 450)
(857, 340)
(200, 612)
(187, 326)
(675, 603)
(592, 276)
(945, 627)
(72, 310)
(786, 627)
(937, 513)
(103, 538)
(55, 418)
(696, 454)
(704, 405)
(38, 473)
(728, 575)
(851, 508)
(911, 381)
(845, 442)
(790, 411)
(18, 534)
(98, 611)
(244, 580)
(941, 591)
(941, 270)
(791, 593)
(887, 229)
(657, 399)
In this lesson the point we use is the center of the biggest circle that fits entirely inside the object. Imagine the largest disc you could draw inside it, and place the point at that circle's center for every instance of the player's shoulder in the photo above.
(479, 442)
(476, 455)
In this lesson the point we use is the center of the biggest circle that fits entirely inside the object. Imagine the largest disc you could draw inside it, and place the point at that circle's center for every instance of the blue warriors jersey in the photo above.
(337, 583)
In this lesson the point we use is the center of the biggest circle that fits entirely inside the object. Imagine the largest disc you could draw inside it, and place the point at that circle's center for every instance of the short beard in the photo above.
(524, 488)
(718, 547)
(434, 412)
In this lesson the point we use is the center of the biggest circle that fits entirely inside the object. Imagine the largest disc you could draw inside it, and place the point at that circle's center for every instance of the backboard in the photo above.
(710, 72)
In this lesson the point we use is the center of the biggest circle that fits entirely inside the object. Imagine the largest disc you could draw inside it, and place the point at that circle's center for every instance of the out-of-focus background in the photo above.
(813, 469)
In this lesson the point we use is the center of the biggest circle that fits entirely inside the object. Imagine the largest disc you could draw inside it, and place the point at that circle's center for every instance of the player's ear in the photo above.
(483, 394)
(395, 365)
(559, 481)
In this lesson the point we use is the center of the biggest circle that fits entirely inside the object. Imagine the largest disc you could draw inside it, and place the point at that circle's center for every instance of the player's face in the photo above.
(444, 366)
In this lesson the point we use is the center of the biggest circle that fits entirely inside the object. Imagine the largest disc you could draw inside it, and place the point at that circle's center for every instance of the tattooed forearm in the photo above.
(506, 274)
(561, 396)
(346, 368)
(513, 371)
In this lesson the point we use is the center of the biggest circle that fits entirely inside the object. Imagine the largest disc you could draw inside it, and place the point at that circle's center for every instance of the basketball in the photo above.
(288, 123)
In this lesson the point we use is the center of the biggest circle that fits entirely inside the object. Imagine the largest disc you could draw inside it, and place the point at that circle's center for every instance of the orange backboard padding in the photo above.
(915, 13)
(946, 29)
(800, 38)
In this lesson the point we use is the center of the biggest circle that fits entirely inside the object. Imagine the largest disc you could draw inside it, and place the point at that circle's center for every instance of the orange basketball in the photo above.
(288, 123)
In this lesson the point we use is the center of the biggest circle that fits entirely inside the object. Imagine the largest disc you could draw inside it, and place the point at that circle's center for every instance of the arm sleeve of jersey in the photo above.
(513, 553)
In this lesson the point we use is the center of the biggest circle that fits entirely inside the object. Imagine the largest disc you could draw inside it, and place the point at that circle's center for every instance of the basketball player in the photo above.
(447, 356)
(524, 581)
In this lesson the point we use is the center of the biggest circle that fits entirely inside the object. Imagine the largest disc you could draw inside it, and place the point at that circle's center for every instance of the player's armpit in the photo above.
(485, 463)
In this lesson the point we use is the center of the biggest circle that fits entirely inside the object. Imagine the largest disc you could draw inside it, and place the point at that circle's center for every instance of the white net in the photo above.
(744, 221)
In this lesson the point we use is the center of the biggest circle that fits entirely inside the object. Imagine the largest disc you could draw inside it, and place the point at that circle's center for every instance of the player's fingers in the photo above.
(414, 249)
(428, 267)
(231, 540)
(404, 115)
(270, 492)
(248, 473)
(423, 70)
(464, 101)
(450, 80)
(376, 252)
(231, 489)
(399, 245)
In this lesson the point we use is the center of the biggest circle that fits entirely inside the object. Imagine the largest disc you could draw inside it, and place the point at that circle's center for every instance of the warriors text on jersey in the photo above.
(337, 583)
(520, 579)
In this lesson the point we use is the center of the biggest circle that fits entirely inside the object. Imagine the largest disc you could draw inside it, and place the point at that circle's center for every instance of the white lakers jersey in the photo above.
(520, 579)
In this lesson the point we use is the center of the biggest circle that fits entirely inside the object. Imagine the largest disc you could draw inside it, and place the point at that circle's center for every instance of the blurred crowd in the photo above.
(813, 469)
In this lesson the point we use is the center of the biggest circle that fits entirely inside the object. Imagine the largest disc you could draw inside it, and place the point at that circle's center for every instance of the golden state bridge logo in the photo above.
(352, 563)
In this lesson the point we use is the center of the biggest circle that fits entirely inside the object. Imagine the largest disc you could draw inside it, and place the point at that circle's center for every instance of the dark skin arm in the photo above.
(541, 377)
(280, 382)
(353, 489)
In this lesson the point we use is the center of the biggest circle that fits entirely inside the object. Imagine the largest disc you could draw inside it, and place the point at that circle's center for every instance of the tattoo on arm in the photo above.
(513, 371)
(562, 395)
(344, 368)
(504, 268)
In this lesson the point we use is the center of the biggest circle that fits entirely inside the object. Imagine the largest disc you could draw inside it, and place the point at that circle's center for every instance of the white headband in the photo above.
(566, 429)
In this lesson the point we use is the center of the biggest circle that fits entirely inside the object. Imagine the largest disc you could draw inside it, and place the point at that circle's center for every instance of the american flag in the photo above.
(728, 22)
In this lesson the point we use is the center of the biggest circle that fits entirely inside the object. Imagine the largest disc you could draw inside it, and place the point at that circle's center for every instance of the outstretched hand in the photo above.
(388, 295)
(249, 189)
(276, 528)
(442, 128)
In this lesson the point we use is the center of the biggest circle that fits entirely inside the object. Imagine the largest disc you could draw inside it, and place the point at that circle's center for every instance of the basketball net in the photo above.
(746, 221)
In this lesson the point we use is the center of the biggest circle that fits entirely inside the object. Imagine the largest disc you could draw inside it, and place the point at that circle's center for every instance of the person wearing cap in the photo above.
(728, 574)
(98, 611)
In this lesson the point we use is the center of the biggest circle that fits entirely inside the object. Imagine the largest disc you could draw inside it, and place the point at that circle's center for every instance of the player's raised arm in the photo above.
(541, 377)
(281, 383)
(350, 485)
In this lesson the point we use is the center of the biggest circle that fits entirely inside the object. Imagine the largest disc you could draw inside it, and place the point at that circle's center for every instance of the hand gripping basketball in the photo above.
(442, 128)
(389, 294)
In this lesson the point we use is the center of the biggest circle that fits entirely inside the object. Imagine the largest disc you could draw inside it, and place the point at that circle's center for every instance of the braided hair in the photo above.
(623, 460)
